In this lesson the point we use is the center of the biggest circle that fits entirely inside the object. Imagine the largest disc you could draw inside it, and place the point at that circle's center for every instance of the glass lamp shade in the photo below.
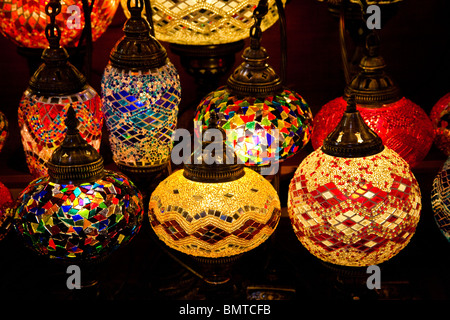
(354, 211)
(255, 124)
(4, 129)
(214, 220)
(205, 22)
(440, 118)
(79, 222)
(402, 125)
(24, 22)
(440, 193)
(6, 203)
(140, 110)
(42, 128)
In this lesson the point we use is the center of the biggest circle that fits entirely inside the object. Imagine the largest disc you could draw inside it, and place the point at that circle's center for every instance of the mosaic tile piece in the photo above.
(42, 127)
(79, 222)
(354, 211)
(141, 110)
(254, 126)
(213, 224)
(204, 22)
(402, 126)
(24, 21)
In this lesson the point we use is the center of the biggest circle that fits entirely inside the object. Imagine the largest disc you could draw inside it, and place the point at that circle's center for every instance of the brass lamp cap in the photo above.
(205, 169)
(137, 49)
(372, 86)
(75, 160)
(352, 137)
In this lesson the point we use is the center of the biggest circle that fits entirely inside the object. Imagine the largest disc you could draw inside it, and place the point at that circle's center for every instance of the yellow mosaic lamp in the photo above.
(354, 202)
(214, 211)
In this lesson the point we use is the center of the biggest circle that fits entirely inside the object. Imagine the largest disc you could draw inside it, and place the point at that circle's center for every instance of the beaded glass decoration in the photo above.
(42, 128)
(440, 118)
(205, 22)
(403, 126)
(79, 221)
(255, 125)
(440, 195)
(24, 21)
(214, 220)
(6, 215)
(354, 211)
(140, 110)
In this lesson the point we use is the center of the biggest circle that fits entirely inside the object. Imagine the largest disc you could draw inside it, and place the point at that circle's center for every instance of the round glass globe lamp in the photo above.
(439, 199)
(6, 215)
(4, 130)
(440, 118)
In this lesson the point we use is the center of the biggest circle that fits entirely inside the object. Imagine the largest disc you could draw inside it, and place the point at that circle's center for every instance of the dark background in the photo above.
(415, 45)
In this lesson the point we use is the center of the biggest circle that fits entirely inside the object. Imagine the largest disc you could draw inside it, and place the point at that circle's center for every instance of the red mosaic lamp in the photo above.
(55, 87)
(354, 202)
(402, 125)
(440, 118)
(6, 214)
(4, 130)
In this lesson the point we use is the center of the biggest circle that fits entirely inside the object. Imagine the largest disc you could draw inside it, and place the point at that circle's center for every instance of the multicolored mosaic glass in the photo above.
(403, 126)
(440, 195)
(205, 22)
(6, 215)
(42, 128)
(141, 110)
(79, 222)
(4, 129)
(214, 220)
(354, 211)
(24, 21)
(260, 130)
(439, 115)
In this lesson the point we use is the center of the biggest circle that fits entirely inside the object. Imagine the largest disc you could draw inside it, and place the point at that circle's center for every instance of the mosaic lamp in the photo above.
(4, 130)
(55, 86)
(403, 126)
(354, 202)
(140, 93)
(440, 118)
(214, 209)
(265, 121)
(24, 22)
(6, 215)
(440, 199)
(79, 212)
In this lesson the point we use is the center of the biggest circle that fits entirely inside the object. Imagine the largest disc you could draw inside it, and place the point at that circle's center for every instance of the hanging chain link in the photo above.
(52, 31)
(255, 31)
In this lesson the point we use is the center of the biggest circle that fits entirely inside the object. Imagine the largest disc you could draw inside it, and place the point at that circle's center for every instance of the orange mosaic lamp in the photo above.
(354, 202)
(214, 211)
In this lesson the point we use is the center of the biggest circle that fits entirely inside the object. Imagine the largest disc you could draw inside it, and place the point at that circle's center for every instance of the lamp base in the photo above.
(207, 63)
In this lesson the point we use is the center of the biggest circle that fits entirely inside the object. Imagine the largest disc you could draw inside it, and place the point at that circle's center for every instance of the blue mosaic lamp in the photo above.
(141, 92)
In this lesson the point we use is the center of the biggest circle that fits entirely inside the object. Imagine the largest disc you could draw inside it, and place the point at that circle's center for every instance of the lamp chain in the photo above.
(255, 31)
(52, 9)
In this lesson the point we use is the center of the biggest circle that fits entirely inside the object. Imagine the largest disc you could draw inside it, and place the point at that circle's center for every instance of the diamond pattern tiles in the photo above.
(352, 218)
(214, 220)
(141, 111)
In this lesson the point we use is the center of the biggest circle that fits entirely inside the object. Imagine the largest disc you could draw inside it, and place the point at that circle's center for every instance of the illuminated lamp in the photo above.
(54, 87)
(6, 215)
(403, 126)
(214, 210)
(140, 93)
(265, 121)
(4, 130)
(440, 118)
(439, 199)
(79, 212)
(354, 202)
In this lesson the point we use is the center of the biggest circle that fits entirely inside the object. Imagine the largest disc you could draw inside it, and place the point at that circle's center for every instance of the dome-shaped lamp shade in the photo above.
(205, 22)
(440, 118)
(141, 92)
(79, 211)
(6, 215)
(440, 195)
(402, 125)
(24, 22)
(260, 129)
(4, 130)
(354, 204)
(215, 210)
